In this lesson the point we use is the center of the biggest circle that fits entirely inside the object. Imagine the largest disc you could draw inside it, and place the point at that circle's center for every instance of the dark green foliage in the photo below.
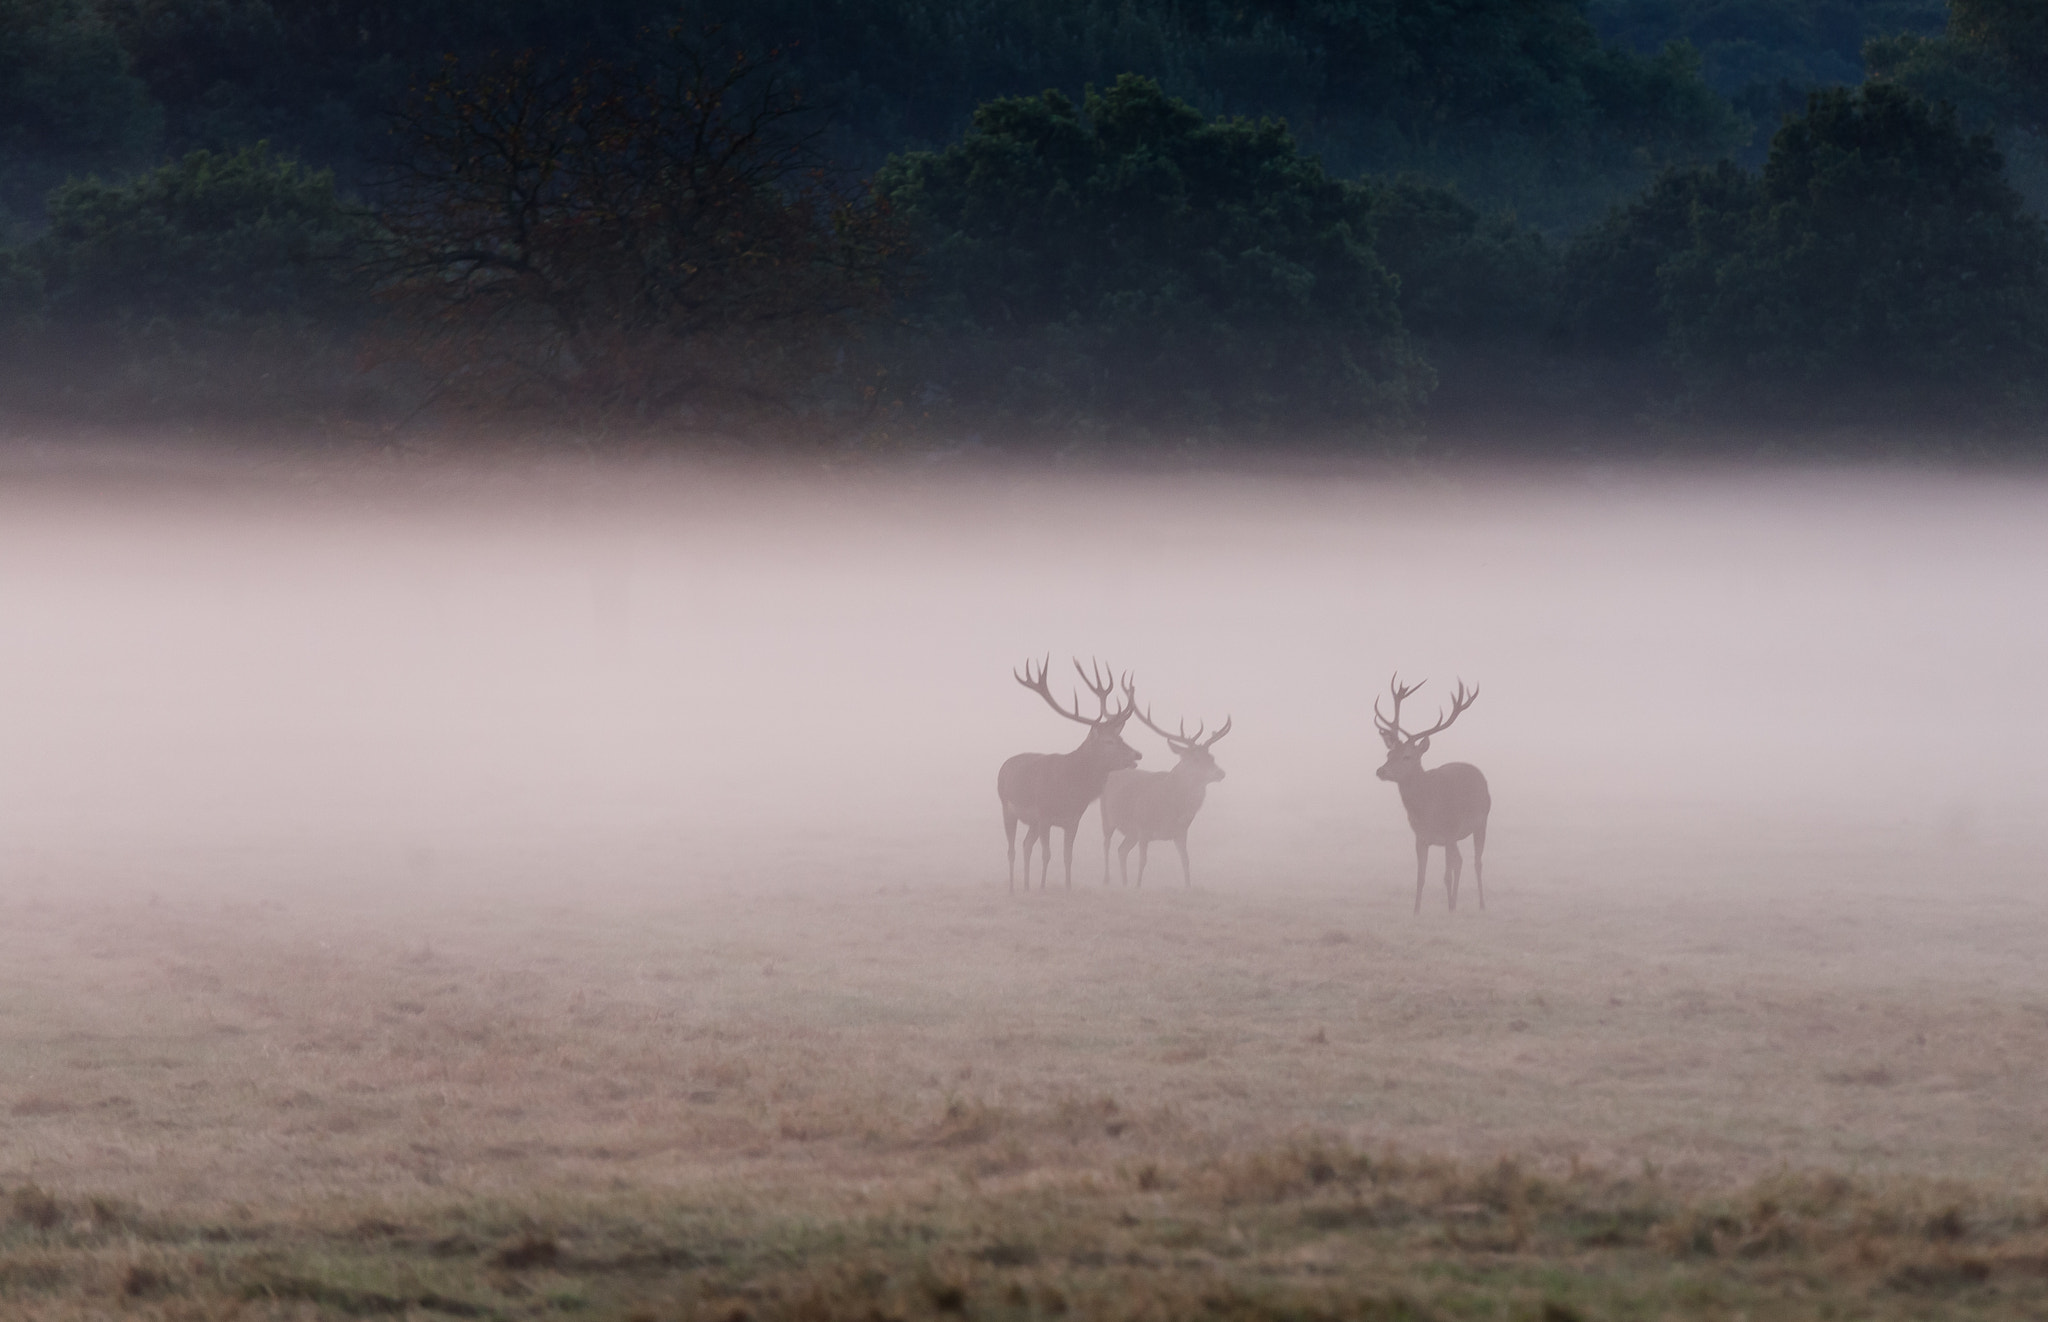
(1465, 276)
(1750, 48)
(1126, 259)
(1465, 88)
(1517, 102)
(2014, 32)
(1880, 269)
(211, 241)
(1889, 269)
(317, 77)
(224, 70)
(1992, 65)
(1612, 300)
(1302, 214)
(21, 295)
(67, 100)
(1476, 291)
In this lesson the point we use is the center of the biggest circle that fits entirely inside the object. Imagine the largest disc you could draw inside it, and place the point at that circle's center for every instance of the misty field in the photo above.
(441, 891)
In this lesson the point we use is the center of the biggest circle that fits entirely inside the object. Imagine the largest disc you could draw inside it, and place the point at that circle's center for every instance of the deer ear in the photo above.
(1422, 744)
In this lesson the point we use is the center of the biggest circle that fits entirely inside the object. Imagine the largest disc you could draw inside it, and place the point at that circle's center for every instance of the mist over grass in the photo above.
(490, 889)
(727, 660)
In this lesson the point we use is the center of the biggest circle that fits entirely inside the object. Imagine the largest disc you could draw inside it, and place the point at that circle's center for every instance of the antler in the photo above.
(1098, 684)
(1400, 691)
(1102, 685)
(1459, 702)
(1183, 741)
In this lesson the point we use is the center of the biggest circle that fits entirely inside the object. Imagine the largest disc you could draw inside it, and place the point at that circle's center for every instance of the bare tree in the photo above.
(1159, 805)
(1446, 803)
(1048, 790)
(606, 227)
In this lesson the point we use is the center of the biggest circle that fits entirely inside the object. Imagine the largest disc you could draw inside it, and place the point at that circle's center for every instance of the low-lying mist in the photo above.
(666, 675)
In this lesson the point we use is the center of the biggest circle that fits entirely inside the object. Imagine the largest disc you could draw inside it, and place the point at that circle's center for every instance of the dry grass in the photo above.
(820, 1100)
(1307, 1230)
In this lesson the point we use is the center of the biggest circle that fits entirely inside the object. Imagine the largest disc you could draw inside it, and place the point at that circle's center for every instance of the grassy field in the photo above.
(451, 893)
(1805, 1084)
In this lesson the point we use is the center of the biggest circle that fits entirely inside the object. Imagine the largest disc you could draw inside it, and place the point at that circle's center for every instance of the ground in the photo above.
(1778, 1077)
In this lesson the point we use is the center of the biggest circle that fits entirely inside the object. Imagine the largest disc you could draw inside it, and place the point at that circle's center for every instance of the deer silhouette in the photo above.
(1445, 803)
(1048, 790)
(1159, 805)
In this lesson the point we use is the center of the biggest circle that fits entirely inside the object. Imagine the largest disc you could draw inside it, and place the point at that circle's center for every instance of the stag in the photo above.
(1159, 805)
(1445, 803)
(1047, 790)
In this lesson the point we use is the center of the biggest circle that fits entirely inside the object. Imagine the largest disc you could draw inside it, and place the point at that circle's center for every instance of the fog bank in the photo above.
(703, 675)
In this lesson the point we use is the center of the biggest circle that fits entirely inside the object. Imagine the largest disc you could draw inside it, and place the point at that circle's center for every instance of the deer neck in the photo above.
(1094, 763)
(1413, 787)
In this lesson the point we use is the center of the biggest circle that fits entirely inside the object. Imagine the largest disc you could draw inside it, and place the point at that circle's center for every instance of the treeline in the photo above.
(866, 220)
(1520, 101)
(1766, 55)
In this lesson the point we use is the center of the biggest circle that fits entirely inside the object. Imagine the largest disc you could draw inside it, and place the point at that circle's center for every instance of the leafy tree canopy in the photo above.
(1991, 63)
(2015, 32)
(1750, 48)
(209, 239)
(1128, 258)
(1880, 267)
(1518, 101)
(1465, 275)
(68, 102)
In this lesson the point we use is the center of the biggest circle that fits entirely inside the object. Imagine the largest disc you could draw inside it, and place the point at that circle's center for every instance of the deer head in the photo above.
(1404, 751)
(1105, 742)
(1192, 749)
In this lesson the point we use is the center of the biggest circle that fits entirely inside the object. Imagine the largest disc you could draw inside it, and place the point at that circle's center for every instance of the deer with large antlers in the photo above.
(1445, 803)
(1048, 790)
(1159, 805)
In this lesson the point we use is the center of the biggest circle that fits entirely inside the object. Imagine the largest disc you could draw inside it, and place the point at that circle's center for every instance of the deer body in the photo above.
(1445, 804)
(1047, 791)
(1159, 805)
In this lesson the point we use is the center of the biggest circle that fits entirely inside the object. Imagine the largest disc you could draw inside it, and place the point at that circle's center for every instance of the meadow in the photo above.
(432, 891)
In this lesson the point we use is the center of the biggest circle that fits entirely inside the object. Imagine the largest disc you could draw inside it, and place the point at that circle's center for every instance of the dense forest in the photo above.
(1097, 222)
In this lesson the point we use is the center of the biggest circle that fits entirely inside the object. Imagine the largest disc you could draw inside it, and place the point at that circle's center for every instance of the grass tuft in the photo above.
(34, 1207)
(532, 1249)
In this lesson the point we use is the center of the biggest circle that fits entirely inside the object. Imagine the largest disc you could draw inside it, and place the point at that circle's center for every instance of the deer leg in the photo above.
(1421, 867)
(1144, 848)
(1108, 831)
(1479, 873)
(1035, 838)
(1010, 840)
(1187, 878)
(1454, 868)
(1071, 829)
(1123, 857)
